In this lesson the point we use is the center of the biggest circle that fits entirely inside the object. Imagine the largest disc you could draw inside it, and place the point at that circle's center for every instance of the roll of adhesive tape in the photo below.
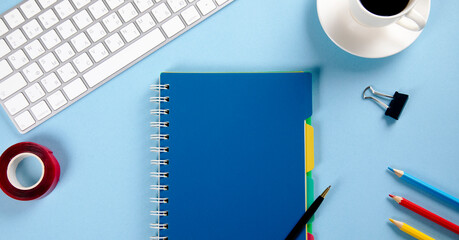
(9, 162)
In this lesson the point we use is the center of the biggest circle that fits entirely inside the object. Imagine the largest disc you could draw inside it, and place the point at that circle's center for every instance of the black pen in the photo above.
(307, 216)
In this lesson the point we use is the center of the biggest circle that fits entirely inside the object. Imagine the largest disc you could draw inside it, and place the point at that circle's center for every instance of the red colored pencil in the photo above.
(426, 213)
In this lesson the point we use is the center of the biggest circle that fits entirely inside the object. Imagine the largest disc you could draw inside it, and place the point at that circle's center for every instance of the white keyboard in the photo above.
(54, 52)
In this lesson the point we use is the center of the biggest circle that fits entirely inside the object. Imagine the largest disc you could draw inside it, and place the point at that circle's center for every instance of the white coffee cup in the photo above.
(409, 18)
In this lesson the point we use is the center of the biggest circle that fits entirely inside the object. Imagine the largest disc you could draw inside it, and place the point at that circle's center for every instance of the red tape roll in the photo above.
(9, 162)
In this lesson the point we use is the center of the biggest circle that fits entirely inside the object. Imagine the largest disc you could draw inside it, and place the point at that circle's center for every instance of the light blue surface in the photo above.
(102, 141)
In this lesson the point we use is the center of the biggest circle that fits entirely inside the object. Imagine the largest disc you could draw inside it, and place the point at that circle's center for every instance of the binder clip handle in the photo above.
(395, 107)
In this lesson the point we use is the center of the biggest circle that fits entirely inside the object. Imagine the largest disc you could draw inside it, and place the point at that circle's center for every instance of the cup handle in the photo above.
(413, 21)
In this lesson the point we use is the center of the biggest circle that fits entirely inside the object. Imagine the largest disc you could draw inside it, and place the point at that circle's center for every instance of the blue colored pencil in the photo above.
(425, 186)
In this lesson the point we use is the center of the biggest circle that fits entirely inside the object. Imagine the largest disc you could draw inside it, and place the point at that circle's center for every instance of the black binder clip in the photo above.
(395, 106)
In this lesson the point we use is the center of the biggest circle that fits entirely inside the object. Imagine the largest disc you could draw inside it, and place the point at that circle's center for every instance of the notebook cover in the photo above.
(236, 151)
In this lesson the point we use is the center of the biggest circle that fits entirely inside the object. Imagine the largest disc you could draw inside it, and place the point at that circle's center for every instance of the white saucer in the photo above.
(368, 42)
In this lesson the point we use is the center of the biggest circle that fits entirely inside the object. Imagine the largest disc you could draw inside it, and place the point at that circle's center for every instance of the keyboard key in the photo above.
(96, 32)
(18, 59)
(130, 32)
(64, 9)
(66, 72)
(16, 38)
(112, 22)
(14, 18)
(206, 6)
(24, 120)
(80, 42)
(34, 92)
(143, 5)
(190, 15)
(75, 89)
(220, 2)
(4, 49)
(145, 22)
(161, 12)
(173, 26)
(46, 3)
(34, 49)
(5, 69)
(176, 5)
(64, 52)
(82, 19)
(48, 62)
(80, 3)
(51, 82)
(30, 8)
(114, 3)
(11, 85)
(16, 104)
(50, 39)
(123, 57)
(98, 52)
(3, 28)
(32, 29)
(32, 72)
(66, 29)
(98, 9)
(127, 12)
(82, 62)
(114, 42)
(41, 110)
(57, 100)
(48, 19)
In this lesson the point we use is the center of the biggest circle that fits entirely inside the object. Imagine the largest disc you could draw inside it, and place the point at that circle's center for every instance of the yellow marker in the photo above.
(411, 230)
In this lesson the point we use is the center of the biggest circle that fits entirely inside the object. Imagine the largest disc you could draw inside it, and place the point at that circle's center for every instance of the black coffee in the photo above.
(385, 7)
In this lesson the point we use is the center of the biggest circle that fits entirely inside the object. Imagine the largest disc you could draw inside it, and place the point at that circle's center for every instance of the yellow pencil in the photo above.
(411, 230)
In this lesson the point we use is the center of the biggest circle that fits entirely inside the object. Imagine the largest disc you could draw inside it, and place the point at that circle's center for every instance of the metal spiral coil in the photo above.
(159, 187)
(159, 124)
(159, 238)
(158, 149)
(159, 99)
(158, 225)
(159, 213)
(159, 200)
(159, 162)
(159, 112)
(158, 87)
(159, 136)
(159, 174)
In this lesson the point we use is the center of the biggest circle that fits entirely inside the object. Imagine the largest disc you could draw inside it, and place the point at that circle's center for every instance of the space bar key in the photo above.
(123, 58)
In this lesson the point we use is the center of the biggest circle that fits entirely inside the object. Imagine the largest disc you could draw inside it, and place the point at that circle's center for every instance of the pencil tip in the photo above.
(392, 196)
(391, 169)
(397, 223)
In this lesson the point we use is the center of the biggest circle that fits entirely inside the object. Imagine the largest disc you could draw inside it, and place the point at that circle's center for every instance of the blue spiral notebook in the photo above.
(231, 160)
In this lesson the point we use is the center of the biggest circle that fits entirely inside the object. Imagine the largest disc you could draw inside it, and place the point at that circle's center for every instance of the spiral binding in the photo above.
(159, 111)
(159, 136)
(159, 124)
(159, 213)
(158, 238)
(158, 162)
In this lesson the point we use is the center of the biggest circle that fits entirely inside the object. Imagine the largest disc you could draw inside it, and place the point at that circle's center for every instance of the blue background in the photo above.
(102, 141)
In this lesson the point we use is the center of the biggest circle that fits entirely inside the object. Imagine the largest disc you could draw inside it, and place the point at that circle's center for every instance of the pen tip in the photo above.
(392, 196)
(391, 169)
(392, 220)
(325, 192)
